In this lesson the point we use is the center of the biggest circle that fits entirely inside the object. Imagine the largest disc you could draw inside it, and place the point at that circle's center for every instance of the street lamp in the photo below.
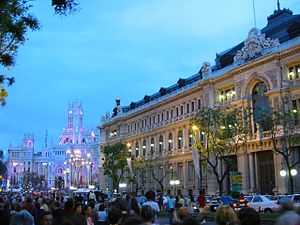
(294, 172)
(282, 173)
(122, 185)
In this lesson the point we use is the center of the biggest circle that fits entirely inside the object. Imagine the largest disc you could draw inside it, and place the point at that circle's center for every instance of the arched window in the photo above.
(161, 144)
(261, 106)
(180, 139)
(170, 142)
(144, 147)
(137, 149)
(152, 146)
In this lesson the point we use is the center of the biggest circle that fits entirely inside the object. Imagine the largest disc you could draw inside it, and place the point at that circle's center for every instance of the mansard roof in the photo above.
(282, 25)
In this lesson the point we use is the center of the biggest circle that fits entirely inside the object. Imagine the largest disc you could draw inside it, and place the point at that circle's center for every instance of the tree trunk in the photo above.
(291, 182)
(220, 184)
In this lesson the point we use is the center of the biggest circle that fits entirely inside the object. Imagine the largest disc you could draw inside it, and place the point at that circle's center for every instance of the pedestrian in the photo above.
(225, 215)
(171, 201)
(46, 218)
(88, 215)
(248, 216)
(289, 218)
(148, 215)
(150, 195)
(101, 215)
(180, 202)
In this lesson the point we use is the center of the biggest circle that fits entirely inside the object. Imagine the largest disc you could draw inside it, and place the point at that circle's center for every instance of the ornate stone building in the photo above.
(253, 73)
(74, 161)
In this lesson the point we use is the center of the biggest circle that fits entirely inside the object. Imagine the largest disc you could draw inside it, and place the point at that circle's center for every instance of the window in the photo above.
(294, 72)
(261, 106)
(257, 199)
(171, 113)
(181, 110)
(187, 108)
(199, 103)
(161, 142)
(177, 112)
(191, 171)
(167, 115)
(158, 118)
(193, 106)
(180, 139)
(162, 116)
(170, 142)
(226, 95)
(152, 146)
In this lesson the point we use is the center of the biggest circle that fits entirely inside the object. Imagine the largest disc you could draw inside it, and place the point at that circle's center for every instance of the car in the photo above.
(261, 203)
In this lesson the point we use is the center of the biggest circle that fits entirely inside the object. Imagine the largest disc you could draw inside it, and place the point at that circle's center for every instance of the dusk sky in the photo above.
(124, 48)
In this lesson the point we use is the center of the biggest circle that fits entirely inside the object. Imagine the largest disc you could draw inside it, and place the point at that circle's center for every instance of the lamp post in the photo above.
(283, 173)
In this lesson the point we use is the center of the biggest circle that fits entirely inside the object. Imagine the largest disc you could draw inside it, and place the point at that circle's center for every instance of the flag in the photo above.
(195, 155)
(129, 163)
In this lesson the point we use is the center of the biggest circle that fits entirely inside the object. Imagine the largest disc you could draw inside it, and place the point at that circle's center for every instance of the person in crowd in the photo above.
(180, 202)
(181, 214)
(289, 218)
(23, 217)
(46, 218)
(134, 208)
(133, 220)
(201, 199)
(101, 215)
(171, 201)
(115, 215)
(248, 216)
(150, 195)
(148, 215)
(225, 215)
(92, 196)
(88, 215)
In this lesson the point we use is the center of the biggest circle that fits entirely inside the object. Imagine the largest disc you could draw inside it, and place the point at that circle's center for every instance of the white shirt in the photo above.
(153, 205)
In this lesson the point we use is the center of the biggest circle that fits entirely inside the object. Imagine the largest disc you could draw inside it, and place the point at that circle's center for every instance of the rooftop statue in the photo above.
(254, 46)
(205, 69)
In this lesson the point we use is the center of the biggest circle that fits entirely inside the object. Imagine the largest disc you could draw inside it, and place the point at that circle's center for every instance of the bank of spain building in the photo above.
(158, 127)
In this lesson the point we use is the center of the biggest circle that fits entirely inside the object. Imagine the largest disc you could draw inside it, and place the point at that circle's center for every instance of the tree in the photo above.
(283, 126)
(64, 7)
(115, 163)
(159, 171)
(223, 131)
(138, 170)
(15, 22)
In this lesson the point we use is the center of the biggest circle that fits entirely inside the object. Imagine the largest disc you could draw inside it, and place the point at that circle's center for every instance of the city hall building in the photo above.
(158, 127)
(72, 162)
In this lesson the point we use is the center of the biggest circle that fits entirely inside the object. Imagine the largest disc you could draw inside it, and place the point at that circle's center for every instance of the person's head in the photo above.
(225, 215)
(133, 220)
(46, 218)
(190, 221)
(169, 192)
(248, 216)
(289, 218)
(183, 213)
(135, 206)
(87, 211)
(147, 214)
(101, 207)
(78, 208)
(150, 195)
(69, 205)
(114, 215)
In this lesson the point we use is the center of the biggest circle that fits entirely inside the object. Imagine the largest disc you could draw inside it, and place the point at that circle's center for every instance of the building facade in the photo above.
(253, 73)
(73, 161)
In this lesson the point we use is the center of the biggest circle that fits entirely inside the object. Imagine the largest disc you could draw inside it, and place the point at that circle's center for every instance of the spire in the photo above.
(46, 138)
(278, 5)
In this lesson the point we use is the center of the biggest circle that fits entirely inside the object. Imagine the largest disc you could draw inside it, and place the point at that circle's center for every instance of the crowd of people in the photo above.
(55, 209)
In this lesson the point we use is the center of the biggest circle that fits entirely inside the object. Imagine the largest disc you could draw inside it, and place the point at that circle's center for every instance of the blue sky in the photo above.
(116, 48)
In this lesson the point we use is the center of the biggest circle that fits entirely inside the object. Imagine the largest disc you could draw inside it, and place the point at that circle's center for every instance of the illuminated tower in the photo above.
(73, 132)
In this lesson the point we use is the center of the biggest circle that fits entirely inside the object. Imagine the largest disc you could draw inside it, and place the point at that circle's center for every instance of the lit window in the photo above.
(180, 139)
(294, 72)
(226, 95)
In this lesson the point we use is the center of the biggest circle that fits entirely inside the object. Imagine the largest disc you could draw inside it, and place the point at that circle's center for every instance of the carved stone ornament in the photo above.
(205, 69)
(254, 46)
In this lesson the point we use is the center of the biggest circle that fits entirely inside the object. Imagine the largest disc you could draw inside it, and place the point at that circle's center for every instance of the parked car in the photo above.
(261, 203)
